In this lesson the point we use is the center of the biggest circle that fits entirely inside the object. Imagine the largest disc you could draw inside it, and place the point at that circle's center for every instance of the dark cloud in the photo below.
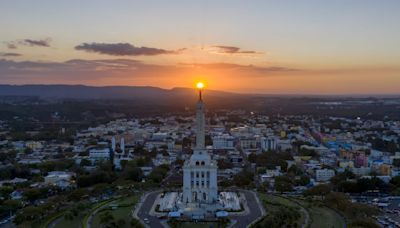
(11, 45)
(121, 49)
(231, 50)
(28, 42)
(41, 43)
(9, 54)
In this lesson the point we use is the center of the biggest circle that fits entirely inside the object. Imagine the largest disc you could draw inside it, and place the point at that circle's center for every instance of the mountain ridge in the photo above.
(100, 92)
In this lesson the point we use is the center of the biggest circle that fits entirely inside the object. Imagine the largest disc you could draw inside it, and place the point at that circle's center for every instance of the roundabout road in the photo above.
(255, 211)
(145, 208)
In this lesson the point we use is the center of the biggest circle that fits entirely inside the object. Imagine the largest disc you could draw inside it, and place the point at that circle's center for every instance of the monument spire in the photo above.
(200, 119)
(200, 186)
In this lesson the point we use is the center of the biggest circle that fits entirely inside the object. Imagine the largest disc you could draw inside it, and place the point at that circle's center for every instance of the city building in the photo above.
(223, 142)
(97, 154)
(322, 175)
(268, 143)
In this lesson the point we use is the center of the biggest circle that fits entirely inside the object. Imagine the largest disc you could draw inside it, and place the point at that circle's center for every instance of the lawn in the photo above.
(278, 200)
(64, 223)
(77, 220)
(272, 202)
(123, 211)
(198, 225)
(322, 216)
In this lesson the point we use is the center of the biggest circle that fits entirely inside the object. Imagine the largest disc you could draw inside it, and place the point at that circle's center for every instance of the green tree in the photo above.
(8, 206)
(392, 147)
(106, 217)
(395, 181)
(28, 214)
(32, 194)
(295, 170)
(396, 162)
(283, 184)
(304, 180)
(135, 223)
(95, 178)
(85, 162)
(5, 191)
(319, 190)
(78, 194)
(244, 178)
(121, 223)
(224, 164)
(133, 173)
(158, 173)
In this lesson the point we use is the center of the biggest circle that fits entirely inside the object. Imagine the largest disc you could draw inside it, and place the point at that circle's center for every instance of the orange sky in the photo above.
(262, 46)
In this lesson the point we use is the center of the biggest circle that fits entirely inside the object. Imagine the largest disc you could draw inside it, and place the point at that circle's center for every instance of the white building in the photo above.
(322, 175)
(268, 143)
(223, 142)
(59, 178)
(284, 144)
(248, 142)
(119, 153)
(361, 171)
(97, 154)
(200, 171)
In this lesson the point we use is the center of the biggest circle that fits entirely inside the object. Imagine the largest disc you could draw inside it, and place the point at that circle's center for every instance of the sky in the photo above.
(255, 46)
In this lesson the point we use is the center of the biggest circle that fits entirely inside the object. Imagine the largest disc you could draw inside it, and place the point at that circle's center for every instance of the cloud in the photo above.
(119, 71)
(80, 71)
(28, 42)
(11, 45)
(219, 49)
(9, 54)
(82, 66)
(41, 43)
(121, 49)
(233, 66)
(70, 66)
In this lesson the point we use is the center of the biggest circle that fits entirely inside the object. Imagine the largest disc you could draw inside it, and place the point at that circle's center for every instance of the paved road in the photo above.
(55, 222)
(145, 209)
(241, 221)
(394, 204)
(307, 217)
(7, 225)
(254, 208)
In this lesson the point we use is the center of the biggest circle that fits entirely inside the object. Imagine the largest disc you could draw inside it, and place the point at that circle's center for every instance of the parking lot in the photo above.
(390, 207)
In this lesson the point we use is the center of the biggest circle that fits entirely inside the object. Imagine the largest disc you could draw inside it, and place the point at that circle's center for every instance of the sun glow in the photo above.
(200, 85)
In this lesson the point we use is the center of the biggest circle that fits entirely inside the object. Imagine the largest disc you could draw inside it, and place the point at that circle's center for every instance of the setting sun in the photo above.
(200, 85)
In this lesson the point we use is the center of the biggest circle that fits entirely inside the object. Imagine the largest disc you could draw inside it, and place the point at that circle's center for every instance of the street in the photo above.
(145, 208)
(254, 211)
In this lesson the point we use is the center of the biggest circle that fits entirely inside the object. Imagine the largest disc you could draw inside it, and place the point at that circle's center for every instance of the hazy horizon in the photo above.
(225, 91)
(267, 47)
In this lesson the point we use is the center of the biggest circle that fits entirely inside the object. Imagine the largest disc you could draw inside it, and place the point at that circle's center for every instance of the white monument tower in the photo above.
(200, 171)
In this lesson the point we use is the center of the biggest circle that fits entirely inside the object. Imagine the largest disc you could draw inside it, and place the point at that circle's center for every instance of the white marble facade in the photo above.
(200, 171)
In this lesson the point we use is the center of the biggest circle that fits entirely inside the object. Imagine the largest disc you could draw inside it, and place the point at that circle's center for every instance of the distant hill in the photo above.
(73, 100)
(136, 95)
(105, 92)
